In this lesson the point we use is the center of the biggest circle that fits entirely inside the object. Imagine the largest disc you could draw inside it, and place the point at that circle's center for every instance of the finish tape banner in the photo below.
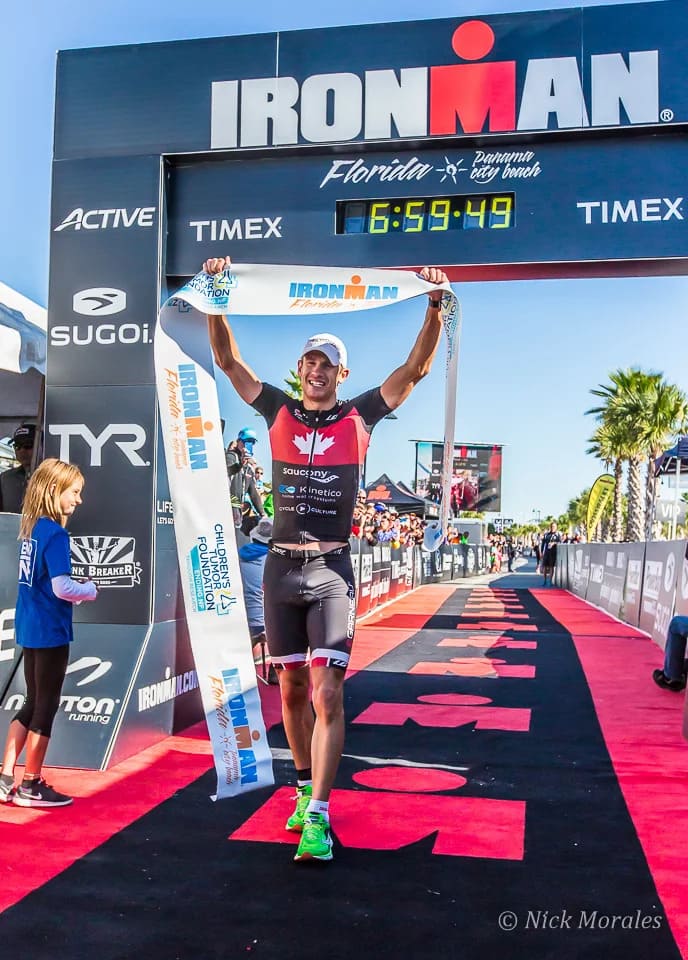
(199, 487)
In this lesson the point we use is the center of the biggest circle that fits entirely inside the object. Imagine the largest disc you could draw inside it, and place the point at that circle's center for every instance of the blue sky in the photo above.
(530, 350)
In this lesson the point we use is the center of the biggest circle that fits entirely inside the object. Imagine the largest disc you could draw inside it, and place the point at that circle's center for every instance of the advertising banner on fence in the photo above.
(190, 421)
(663, 563)
(682, 585)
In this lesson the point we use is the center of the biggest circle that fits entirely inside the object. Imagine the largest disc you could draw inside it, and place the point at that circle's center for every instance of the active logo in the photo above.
(468, 98)
(99, 301)
(132, 438)
(110, 219)
(108, 561)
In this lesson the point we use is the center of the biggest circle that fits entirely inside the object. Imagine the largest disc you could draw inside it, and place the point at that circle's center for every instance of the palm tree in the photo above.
(665, 410)
(293, 383)
(619, 412)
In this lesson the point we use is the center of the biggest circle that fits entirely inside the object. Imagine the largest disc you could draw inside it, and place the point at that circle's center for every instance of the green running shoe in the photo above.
(297, 819)
(316, 839)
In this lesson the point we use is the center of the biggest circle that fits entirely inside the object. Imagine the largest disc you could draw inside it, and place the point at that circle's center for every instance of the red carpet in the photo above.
(641, 725)
(507, 754)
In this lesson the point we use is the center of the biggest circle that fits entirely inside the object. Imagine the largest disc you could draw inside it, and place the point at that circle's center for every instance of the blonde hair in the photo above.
(47, 484)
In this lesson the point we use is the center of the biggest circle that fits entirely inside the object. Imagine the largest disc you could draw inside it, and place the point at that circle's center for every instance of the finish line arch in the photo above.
(517, 146)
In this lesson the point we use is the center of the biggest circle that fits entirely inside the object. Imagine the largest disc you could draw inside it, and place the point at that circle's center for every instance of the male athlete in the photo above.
(318, 447)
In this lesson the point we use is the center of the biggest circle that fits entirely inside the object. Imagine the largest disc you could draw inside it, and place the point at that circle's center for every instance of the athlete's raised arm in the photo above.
(224, 345)
(401, 382)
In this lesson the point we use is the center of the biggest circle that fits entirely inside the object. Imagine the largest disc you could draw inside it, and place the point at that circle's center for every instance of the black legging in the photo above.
(44, 672)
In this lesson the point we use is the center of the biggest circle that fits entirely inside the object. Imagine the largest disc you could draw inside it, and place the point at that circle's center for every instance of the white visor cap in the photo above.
(331, 346)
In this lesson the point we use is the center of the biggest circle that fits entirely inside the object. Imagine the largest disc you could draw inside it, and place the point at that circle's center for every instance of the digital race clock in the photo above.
(491, 211)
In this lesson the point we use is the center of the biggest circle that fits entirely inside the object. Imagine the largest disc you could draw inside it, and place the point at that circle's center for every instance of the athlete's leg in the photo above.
(285, 628)
(331, 621)
(297, 714)
(328, 733)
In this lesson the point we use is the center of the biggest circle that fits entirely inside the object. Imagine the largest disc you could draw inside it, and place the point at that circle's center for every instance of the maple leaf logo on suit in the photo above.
(306, 446)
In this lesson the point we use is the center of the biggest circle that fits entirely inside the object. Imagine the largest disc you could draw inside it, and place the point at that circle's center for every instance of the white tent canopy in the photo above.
(23, 328)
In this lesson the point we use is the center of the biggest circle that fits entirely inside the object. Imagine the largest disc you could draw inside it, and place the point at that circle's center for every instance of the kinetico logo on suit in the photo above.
(447, 100)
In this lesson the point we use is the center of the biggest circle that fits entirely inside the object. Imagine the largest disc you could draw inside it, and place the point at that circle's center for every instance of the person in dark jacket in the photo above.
(13, 482)
(252, 564)
(242, 481)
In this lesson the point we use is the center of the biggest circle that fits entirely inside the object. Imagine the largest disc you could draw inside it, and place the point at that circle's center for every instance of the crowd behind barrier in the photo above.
(643, 584)
(384, 572)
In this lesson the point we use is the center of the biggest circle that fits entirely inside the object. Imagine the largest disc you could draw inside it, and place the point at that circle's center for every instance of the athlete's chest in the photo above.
(341, 440)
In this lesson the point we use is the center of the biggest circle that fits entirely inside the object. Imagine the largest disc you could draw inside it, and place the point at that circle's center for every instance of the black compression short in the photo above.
(310, 606)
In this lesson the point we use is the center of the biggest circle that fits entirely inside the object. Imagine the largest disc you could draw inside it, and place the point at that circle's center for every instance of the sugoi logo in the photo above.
(131, 436)
(111, 219)
(457, 99)
(108, 561)
(104, 334)
(99, 302)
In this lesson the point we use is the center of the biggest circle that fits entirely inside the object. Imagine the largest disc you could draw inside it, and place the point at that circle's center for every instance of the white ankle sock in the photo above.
(319, 806)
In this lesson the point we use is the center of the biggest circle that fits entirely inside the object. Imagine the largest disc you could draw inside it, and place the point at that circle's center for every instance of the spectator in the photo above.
(252, 564)
(13, 482)
(259, 475)
(242, 485)
(549, 552)
(356, 524)
(385, 533)
(673, 676)
(43, 624)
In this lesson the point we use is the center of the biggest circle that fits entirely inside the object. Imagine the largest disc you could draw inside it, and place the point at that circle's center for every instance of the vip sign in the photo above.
(445, 100)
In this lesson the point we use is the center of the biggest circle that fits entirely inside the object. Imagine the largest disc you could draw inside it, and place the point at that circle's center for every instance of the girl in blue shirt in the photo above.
(43, 626)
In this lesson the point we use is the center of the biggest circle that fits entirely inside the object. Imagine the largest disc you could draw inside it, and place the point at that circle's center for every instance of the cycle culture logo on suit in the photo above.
(204, 528)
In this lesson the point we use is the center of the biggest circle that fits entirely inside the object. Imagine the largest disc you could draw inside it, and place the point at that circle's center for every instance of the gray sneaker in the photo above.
(7, 788)
(38, 793)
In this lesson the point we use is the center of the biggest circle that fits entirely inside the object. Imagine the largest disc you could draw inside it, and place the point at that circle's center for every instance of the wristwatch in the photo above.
(434, 303)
